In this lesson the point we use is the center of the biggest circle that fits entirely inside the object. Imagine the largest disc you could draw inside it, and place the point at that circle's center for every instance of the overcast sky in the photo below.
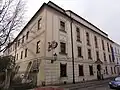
(105, 14)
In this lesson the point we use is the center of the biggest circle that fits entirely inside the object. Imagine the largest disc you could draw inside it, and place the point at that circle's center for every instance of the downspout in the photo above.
(72, 48)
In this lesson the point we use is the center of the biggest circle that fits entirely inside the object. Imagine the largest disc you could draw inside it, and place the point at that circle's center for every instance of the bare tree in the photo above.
(11, 20)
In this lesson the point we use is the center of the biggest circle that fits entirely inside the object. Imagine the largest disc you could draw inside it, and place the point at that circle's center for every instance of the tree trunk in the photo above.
(7, 79)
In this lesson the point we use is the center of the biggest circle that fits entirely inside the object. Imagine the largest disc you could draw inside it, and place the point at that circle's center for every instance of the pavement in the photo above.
(85, 84)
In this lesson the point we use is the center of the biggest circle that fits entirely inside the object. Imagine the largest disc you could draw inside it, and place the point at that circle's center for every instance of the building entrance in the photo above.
(99, 72)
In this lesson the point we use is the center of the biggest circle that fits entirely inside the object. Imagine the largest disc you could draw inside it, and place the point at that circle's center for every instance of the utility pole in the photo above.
(72, 48)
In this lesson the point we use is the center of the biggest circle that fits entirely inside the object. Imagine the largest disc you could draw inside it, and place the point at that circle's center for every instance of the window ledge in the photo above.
(90, 58)
(62, 53)
(91, 75)
(63, 30)
(63, 76)
(80, 56)
(81, 76)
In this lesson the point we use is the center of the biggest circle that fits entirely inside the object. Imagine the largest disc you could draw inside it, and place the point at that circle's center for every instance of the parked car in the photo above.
(115, 83)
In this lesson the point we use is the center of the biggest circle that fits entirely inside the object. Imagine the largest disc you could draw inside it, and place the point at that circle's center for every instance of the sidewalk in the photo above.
(84, 84)
(75, 86)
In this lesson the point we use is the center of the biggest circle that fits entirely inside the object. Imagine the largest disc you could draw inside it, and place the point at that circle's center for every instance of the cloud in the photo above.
(105, 14)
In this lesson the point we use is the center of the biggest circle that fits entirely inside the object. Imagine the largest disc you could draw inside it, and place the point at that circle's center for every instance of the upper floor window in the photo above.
(81, 71)
(26, 50)
(97, 55)
(39, 23)
(103, 45)
(23, 39)
(108, 47)
(63, 70)
(79, 52)
(115, 50)
(78, 34)
(18, 43)
(21, 54)
(89, 54)
(104, 57)
(62, 25)
(110, 58)
(87, 38)
(27, 35)
(96, 44)
(91, 70)
(106, 70)
(63, 48)
(17, 57)
(38, 47)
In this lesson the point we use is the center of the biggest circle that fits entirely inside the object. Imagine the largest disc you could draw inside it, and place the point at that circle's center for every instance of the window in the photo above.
(27, 35)
(97, 55)
(104, 57)
(87, 38)
(21, 54)
(103, 45)
(106, 70)
(15, 45)
(18, 43)
(63, 47)
(114, 70)
(63, 70)
(62, 25)
(108, 47)
(79, 52)
(111, 70)
(110, 58)
(39, 23)
(17, 57)
(115, 50)
(38, 47)
(81, 72)
(78, 34)
(26, 52)
(23, 39)
(91, 70)
(89, 54)
(96, 44)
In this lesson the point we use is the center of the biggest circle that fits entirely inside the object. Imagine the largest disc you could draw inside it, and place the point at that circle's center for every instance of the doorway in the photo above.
(99, 72)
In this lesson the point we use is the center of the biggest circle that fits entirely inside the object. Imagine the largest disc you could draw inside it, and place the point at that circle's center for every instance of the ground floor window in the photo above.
(81, 71)
(91, 69)
(63, 70)
(106, 70)
(111, 70)
(114, 70)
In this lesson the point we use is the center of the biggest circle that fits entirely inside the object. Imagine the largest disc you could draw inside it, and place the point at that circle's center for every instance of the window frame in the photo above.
(61, 48)
(81, 70)
(78, 34)
(21, 55)
(38, 47)
(91, 71)
(89, 54)
(26, 52)
(39, 24)
(88, 38)
(63, 70)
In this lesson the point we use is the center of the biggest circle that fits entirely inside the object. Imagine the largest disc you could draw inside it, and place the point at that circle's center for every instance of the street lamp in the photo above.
(55, 58)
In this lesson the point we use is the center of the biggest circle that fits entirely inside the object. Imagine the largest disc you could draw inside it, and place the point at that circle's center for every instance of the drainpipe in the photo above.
(72, 48)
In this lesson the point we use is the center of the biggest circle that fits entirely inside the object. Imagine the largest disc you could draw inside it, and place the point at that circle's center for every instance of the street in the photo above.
(98, 87)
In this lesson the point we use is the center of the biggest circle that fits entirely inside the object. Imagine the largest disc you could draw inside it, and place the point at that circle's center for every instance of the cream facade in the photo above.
(40, 64)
